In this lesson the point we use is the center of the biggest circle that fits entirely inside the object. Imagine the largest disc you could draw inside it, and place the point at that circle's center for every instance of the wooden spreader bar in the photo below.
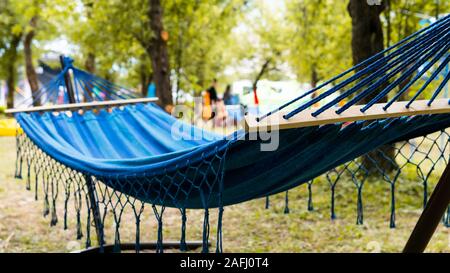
(83, 105)
(305, 119)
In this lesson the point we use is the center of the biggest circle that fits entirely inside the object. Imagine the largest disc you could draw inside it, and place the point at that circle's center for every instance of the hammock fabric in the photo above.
(129, 148)
(136, 151)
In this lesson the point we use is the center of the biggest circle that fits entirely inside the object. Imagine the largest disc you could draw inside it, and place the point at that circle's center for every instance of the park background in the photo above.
(281, 48)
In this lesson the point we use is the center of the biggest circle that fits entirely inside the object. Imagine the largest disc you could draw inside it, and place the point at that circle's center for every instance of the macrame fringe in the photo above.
(183, 246)
(159, 217)
(116, 248)
(36, 182)
(54, 219)
(19, 158)
(392, 218)
(28, 183)
(332, 209)
(79, 231)
(205, 248)
(138, 235)
(66, 203)
(359, 205)
(77, 199)
(425, 193)
(219, 246)
(310, 200)
(286, 203)
(46, 202)
(88, 224)
(447, 218)
(137, 216)
(50, 172)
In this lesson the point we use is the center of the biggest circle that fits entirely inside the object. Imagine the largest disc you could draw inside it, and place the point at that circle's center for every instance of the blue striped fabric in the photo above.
(137, 142)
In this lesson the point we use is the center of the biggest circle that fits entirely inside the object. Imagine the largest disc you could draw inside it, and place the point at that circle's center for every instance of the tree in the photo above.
(271, 39)
(29, 67)
(367, 40)
(404, 17)
(201, 40)
(198, 35)
(367, 30)
(105, 20)
(89, 63)
(263, 43)
(156, 48)
(22, 28)
(28, 14)
(10, 38)
(97, 28)
(320, 43)
(145, 75)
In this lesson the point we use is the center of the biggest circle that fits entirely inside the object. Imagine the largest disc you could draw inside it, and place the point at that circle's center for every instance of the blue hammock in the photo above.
(132, 145)
(134, 151)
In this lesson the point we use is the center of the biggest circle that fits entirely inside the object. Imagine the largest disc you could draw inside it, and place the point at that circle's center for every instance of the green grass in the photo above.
(247, 227)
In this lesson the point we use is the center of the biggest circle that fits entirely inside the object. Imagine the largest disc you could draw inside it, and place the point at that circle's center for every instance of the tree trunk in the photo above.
(30, 71)
(11, 70)
(367, 31)
(89, 64)
(367, 40)
(10, 84)
(145, 77)
(262, 71)
(157, 50)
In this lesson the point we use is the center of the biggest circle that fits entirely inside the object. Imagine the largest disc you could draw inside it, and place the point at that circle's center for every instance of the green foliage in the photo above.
(401, 18)
(321, 36)
(200, 38)
(8, 32)
(116, 32)
(263, 41)
(15, 16)
(405, 16)
(105, 29)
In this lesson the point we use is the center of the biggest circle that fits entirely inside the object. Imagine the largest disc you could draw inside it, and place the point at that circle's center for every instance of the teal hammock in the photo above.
(131, 156)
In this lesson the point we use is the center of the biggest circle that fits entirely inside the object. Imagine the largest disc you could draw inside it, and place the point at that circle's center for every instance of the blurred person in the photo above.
(213, 92)
(151, 90)
(209, 101)
(227, 96)
(233, 108)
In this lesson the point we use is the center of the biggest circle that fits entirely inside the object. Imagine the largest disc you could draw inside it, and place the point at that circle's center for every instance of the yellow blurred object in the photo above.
(8, 127)
(165, 35)
(342, 102)
(207, 110)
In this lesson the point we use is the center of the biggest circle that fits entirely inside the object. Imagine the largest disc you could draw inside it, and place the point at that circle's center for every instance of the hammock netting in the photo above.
(86, 88)
(130, 156)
